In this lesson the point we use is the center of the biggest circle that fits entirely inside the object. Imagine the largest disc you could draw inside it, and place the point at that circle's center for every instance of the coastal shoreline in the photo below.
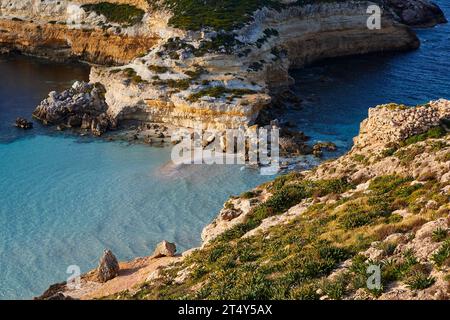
(142, 87)
(378, 132)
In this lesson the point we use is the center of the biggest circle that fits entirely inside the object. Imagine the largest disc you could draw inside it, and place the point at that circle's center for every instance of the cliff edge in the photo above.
(191, 62)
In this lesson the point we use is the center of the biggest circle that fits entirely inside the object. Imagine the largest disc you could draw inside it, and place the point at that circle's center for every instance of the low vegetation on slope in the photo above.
(219, 14)
(325, 250)
(124, 14)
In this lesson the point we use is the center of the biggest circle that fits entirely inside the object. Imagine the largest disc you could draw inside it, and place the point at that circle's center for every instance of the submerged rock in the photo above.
(165, 249)
(23, 123)
(108, 267)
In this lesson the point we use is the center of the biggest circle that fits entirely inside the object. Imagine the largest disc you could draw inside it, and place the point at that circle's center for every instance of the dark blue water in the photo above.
(64, 199)
(338, 92)
(25, 82)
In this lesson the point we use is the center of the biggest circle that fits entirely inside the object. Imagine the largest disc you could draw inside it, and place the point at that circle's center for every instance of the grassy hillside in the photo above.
(326, 246)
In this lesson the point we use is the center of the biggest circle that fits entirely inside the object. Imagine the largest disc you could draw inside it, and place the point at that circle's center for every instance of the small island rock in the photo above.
(23, 123)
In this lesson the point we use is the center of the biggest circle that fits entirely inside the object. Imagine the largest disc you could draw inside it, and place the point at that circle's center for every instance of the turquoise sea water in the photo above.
(63, 199)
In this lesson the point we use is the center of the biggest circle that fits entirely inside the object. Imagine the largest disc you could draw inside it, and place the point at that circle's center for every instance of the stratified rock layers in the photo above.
(301, 35)
(60, 42)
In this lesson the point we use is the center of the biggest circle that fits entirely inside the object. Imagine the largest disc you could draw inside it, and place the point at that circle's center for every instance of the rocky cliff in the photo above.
(315, 234)
(189, 62)
(61, 30)
(223, 79)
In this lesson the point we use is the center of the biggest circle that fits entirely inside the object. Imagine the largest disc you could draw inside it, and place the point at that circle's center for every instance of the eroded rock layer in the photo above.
(191, 68)
(220, 80)
(61, 30)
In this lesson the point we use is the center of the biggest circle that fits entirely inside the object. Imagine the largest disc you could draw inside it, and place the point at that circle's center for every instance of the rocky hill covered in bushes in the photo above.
(316, 234)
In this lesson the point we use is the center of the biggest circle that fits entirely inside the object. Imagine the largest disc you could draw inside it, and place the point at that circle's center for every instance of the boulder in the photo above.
(165, 249)
(59, 296)
(108, 267)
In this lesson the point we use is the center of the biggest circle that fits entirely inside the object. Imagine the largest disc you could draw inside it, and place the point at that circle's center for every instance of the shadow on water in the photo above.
(25, 82)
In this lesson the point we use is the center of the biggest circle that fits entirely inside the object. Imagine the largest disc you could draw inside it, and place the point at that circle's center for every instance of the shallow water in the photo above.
(63, 199)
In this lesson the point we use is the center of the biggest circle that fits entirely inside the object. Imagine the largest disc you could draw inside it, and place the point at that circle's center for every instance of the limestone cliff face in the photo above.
(61, 30)
(178, 81)
(208, 77)
(58, 42)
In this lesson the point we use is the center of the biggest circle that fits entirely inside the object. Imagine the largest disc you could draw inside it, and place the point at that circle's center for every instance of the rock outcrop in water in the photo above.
(420, 13)
(81, 107)
(315, 234)
(23, 123)
(184, 69)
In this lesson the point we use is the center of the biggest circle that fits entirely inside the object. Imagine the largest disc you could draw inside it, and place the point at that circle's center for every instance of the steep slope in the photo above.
(314, 234)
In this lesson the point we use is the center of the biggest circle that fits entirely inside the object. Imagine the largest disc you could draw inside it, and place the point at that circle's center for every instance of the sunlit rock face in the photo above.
(176, 80)
(185, 76)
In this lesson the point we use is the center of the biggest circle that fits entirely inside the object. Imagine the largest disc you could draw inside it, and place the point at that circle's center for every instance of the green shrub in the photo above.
(248, 195)
(355, 218)
(406, 156)
(359, 158)
(195, 74)
(119, 13)
(307, 291)
(394, 270)
(131, 74)
(433, 133)
(385, 184)
(181, 84)
(335, 289)
(420, 281)
(442, 256)
(158, 69)
(388, 152)
(440, 234)
(221, 42)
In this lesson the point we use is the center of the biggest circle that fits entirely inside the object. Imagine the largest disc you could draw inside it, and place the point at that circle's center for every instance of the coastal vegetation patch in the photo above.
(123, 14)
(292, 261)
(220, 14)
(131, 74)
(330, 221)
